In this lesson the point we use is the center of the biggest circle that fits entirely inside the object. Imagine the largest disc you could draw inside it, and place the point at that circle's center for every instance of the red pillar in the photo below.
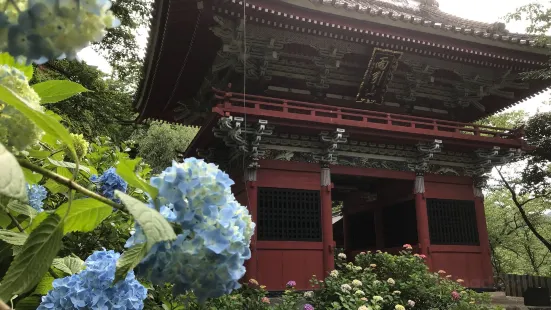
(488, 279)
(252, 193)
(422, 218)
(327, 221)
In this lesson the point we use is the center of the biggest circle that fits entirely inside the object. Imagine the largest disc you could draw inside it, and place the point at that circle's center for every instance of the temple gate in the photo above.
(370, 103)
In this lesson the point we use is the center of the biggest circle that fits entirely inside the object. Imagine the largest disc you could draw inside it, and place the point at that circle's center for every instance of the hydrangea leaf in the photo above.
(84, 215)
(57, 90)
(47, 123)
(35, 258)
(31, 177)
(154, 225)
(70, 265)
(44, 286)
(7, 59)
(69, 165)
(39, 154)
(28, 303)
(59, 264)
(129, 260)
(16, 249)
(37, 221)
(12, 237)
(126, 169)
(12, 179)
(21, 208)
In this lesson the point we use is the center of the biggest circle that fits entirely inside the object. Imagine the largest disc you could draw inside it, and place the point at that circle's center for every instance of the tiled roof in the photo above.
(427, 13)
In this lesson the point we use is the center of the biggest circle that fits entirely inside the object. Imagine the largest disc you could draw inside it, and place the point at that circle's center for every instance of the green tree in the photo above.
(514, 247)
(538, 18)
(162, 143)
(104, 111)
(121, 47)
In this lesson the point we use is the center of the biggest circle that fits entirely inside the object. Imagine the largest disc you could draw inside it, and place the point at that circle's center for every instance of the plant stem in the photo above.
(69, 183)
(16, 222)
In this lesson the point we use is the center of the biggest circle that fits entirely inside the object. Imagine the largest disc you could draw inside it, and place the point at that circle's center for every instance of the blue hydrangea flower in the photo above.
(208, 257)
(36, 194)
(92, 288)
(41, 30)
(110, 181)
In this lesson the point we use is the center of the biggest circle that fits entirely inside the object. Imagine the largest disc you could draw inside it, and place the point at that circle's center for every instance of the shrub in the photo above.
(381, 281)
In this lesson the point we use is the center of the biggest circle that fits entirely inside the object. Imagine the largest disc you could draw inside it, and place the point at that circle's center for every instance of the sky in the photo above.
(489, 11)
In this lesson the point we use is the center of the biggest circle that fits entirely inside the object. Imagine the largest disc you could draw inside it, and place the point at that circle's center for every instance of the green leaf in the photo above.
(126, 168)
(44, 286)
(59, 264)
(129, 260)
(21, 208)
(12, 237)
(70, 265)
(155, 227)
(28, 303)
(35, 258)
(5, 219)
(39, 154)
(68, 165)
(12, 179)
(31, 177)
(7, 59)
(16, 249)
(37, 221)
(85, 214)
(45, 122)
(57, 90)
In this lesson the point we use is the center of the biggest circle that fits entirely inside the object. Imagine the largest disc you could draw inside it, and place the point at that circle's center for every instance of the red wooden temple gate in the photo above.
(371, 103)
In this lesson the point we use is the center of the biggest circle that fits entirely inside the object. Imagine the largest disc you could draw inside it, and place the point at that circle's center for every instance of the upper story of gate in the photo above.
(359, 60)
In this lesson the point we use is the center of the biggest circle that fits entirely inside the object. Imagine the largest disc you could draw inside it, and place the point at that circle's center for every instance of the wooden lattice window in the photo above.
(289, 215)
(452, 222)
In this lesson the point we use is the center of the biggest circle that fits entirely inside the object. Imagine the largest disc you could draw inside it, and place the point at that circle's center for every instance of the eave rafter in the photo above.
(266, 58)
(258, 141)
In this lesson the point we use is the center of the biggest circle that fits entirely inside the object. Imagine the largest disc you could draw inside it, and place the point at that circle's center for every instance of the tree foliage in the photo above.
(122, 47)
(514, 247)
(538, 18)
(106, 110)
(162, 143)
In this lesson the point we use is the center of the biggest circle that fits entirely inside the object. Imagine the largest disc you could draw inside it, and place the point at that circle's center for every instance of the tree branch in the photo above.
(69, 183)
(523, 213)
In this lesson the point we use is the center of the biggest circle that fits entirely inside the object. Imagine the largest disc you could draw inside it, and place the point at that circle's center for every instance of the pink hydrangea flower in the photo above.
(308, 307)
(455, 295)
(291, 284)
(408, 246)
(265, 300)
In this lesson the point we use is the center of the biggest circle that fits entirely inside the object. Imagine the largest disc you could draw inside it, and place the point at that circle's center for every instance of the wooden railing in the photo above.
(239, 103)
(516, 285)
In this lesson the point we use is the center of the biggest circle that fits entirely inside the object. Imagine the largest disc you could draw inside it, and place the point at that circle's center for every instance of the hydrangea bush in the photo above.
(391, 282)
(190, 231)
(93, 287)
(40, 30)
(208, 256)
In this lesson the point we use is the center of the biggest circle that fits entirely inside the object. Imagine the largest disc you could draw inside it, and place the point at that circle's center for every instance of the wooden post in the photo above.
(488, 278)
(252, 193)
(327, 220)
(346, 228)
(379, 228)
(422, 218)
